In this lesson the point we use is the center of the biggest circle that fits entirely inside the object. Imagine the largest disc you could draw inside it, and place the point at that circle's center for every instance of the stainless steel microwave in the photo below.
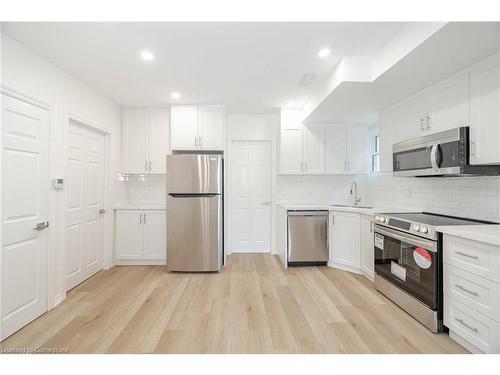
(441, 154)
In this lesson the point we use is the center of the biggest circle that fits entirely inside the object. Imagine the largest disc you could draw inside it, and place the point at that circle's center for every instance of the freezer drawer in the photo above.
(307, 237)
(194, 233)
(194, 173)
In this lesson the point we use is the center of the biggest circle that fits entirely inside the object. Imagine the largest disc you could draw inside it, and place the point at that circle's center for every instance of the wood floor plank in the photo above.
(254, 305)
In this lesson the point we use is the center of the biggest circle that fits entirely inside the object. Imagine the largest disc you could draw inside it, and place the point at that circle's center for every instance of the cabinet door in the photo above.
(184, 127)
(345, 239)
(135, 140)
(291, 151)
(358, 149)
(336, 149)
(367, 258)
(129, 234)
(410, 117)
(485, 112)
(388, 136)
(159, 139)
(314, 149)
(155, 235)
(211, 127)
(449, 104)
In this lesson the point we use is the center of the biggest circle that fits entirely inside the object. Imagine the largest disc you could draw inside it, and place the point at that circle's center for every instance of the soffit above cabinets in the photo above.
(446, 51)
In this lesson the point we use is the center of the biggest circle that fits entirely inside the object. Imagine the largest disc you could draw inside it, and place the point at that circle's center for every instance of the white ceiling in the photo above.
(251, 67)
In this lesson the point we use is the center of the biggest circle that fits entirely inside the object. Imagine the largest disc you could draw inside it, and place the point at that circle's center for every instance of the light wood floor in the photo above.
(253, 306)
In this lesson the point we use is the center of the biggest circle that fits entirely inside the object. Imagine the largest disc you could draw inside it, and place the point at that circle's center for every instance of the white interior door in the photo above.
(85, 197)
(251, 196)
(25, 183)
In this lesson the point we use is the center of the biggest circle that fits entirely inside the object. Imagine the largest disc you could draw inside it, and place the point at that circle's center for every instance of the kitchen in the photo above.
(352, 206)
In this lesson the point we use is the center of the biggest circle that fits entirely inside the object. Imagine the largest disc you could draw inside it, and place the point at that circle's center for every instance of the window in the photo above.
(375, 153)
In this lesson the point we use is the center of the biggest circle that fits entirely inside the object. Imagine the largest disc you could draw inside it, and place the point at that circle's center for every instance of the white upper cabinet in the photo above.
(485, 112)
(411, 117)
(159, 136)
(135, 140)
(314, 149)
(441, 107)
(197, 127)
(184, 127)
(448, 104)
(336, 149)
(321, 149)
(291, 151)
(357, 140)
(145, 140)
(211, 127)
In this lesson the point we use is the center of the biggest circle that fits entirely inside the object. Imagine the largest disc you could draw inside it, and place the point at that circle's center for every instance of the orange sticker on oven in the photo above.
(422, 258)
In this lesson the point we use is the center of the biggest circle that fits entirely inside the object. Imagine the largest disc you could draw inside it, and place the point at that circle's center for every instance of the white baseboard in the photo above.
(134, 262)
(343, 267)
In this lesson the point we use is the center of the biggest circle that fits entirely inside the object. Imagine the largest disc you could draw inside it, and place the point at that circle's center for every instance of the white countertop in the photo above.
(332, 207)
(483, 233)
(127, 206)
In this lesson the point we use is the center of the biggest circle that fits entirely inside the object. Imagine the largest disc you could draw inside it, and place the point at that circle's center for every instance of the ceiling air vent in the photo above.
(307, 80)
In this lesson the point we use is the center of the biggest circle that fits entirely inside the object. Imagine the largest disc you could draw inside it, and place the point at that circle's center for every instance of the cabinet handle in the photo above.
(144, 219)
(345, 166)
(200, 144)
(371, 226)
(333, 219)
(461, 321)
(472, 148)
(195, 141)
(467, 255)
(140, 218)
(146, 165)
(461, 287)
(428, 118)
(422, 124)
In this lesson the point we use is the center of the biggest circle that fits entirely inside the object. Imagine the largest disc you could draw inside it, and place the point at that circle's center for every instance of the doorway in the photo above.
(250, 205)
(84, 202)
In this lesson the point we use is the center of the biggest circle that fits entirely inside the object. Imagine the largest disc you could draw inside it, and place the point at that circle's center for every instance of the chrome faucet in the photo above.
(354, 187)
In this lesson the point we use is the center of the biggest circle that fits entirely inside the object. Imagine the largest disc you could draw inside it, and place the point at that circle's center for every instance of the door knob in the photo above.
(41, 226)
(102, 211)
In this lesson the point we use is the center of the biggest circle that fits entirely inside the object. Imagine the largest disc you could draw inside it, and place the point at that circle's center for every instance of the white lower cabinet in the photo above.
(472, 293)
(345, 241)
(367, 257)
(140, 237)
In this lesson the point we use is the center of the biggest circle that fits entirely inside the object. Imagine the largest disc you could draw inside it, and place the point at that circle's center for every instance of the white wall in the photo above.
(254, 128)
(30, 75)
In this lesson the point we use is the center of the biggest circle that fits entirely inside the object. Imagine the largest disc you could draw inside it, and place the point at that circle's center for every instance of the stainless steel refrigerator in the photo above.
(194, 212)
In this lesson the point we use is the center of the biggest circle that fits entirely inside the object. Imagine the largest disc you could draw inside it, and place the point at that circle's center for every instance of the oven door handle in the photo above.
(428, 245)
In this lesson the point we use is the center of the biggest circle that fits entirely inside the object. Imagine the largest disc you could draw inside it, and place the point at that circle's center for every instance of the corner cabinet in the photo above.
(345, 240)
(197, 127)
(146, 139)
(140, 237)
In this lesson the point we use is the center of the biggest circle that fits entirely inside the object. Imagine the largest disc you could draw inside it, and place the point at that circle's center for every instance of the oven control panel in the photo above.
(407, 226)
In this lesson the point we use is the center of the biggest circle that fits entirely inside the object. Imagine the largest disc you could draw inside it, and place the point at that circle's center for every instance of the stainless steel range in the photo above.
(408, 262)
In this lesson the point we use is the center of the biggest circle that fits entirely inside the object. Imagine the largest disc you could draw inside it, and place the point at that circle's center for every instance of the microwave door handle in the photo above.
(435, 157)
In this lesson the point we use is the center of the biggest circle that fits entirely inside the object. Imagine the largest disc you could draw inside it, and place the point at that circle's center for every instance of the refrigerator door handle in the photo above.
(187, 195)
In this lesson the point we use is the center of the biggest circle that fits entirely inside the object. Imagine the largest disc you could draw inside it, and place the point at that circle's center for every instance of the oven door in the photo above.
(409, 262)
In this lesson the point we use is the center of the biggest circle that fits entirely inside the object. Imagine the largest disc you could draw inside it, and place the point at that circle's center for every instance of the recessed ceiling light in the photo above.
(324, 52)
(147, 55)
(175, 95)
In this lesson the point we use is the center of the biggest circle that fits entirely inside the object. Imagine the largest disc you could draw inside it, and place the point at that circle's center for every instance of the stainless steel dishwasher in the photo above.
(307, 241)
